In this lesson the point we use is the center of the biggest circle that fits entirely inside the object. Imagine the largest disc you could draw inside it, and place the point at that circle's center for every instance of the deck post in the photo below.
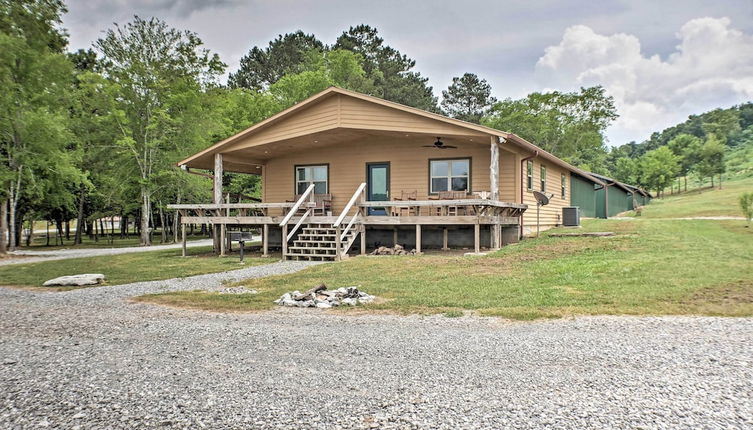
(183, 238)
(363, 239)
(338, 243)
(394, 236)
(284, 239)
(265, 241)
(217, 179)
(477, 237)
(494, 187)
(444, 240)
(418, 238)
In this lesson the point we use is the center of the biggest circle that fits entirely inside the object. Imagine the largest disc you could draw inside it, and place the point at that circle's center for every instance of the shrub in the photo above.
(746, 204)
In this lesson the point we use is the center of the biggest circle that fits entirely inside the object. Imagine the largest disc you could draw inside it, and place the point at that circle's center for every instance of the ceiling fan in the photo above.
(440, 145)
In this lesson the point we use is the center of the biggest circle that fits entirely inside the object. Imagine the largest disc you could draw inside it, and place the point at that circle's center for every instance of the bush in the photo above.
(746, 204)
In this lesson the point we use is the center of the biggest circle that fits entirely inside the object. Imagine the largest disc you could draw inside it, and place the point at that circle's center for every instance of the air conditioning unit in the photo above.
(571, 216)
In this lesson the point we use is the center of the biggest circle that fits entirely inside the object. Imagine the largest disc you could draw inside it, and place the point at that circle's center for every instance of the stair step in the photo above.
(293, 249)
(310, 244)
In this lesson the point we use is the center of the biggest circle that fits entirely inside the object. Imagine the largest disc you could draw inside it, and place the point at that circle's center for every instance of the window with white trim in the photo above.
(449, 175)
(307, 175)
(529, 174)
(543, 179)
(564, 186)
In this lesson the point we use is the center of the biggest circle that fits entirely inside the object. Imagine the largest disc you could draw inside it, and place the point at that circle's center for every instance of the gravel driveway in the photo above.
(33, 256)
(91, 359)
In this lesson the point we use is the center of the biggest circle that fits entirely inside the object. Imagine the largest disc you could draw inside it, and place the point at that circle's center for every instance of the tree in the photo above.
(261, 68)
(711, 159)
(570, 125)
(659, 168)
(339, 68)
(746, 205)
(468, 98)
(390, 70)
(688, 148)
(34, 76)
(627, 170)
(158, 73)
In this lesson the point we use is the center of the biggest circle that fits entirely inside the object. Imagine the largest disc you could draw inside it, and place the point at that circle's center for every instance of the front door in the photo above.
(377, 185)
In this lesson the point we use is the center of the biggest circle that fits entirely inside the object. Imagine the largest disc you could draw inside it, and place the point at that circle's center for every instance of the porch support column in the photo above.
(494, 187)
(444, 240)
(217, 236)
(477, 237)
(363, 240)
(265, 241)
(418, 238)
(394, 236)
(217, 179)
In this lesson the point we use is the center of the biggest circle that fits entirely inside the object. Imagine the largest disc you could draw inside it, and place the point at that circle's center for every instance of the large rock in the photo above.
(76, 280)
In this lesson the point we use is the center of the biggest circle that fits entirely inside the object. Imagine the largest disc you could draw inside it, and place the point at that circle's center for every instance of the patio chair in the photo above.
(323, 203)
(409, 210)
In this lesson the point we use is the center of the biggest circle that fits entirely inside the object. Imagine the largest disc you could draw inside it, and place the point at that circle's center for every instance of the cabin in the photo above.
(343, 172)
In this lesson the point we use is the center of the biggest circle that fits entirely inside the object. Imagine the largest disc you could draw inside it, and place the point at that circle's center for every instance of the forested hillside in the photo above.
(717, 143)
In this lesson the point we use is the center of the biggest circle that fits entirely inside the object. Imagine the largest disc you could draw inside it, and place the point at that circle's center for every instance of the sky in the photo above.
(660, 60)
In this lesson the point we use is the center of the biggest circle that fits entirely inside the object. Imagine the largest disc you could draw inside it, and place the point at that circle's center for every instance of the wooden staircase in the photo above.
(321, 242)
(318, 242)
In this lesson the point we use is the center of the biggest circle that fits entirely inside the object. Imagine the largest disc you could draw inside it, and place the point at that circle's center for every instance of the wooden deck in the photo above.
(353, 221)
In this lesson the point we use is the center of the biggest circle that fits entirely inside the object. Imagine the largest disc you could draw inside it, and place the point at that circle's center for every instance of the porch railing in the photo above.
(341, 234)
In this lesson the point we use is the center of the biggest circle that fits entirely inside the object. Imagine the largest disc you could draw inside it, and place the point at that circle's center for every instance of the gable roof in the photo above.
(320, 97)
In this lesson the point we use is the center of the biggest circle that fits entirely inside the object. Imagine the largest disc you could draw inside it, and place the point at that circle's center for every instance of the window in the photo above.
(564, 189)
(449, 175)
(529, 174)
(307, 175)
(543, 179)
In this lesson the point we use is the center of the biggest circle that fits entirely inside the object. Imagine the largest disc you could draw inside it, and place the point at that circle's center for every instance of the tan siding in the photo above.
(409, 167)
(320, 117)
(361, 114)
(550, 214)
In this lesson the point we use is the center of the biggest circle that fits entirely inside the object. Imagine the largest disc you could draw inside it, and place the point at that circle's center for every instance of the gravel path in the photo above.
(91, 359)
(33, 256)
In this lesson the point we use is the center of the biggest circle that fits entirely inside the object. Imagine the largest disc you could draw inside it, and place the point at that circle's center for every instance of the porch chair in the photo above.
(455, 195)
(409, 210)
(323, 203)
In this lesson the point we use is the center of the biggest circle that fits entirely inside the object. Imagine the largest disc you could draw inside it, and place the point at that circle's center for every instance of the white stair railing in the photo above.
(342, 233)
(284, 223)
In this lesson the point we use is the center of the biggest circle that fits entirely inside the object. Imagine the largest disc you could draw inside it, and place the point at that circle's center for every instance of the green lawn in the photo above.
(650, 267)
(701, 202)
(126, 268)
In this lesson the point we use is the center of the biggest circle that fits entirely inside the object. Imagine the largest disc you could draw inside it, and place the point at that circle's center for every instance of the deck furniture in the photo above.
(407, 210)
(322, 203)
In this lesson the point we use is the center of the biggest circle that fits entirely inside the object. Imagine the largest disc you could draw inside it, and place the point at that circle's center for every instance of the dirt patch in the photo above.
(736, 293)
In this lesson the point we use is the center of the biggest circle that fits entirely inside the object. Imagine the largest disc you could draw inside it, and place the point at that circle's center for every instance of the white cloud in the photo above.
(712, 66)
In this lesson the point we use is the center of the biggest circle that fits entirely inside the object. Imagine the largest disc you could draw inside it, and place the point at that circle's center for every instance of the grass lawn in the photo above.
(650, 267)
(701, 202)
(126, 268)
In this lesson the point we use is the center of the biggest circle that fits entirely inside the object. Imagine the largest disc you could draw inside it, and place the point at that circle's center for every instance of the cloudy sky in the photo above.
(661, 60)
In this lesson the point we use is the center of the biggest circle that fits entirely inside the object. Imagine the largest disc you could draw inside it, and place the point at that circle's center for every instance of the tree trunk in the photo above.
(59, 234)
(163, 235)
(720, 181)
(95, 230)
(47, 232)
(712, 181)
(67, 229)
(12, 223)
(4, 227)
(146, 209)
(686, 183)
(102, 230)
(80, 216)
(31, 233)
(123, 226)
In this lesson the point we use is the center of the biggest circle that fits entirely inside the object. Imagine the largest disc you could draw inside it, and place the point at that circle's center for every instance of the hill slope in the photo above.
(701, 202)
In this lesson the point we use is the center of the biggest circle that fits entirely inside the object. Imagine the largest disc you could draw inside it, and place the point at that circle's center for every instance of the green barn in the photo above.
(616, 197)
(583, 191)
